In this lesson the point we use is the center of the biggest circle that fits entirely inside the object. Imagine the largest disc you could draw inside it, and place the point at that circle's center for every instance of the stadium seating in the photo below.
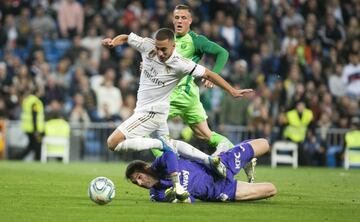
(53, 146)
(56, 142)
(284, 152)
(352, 157)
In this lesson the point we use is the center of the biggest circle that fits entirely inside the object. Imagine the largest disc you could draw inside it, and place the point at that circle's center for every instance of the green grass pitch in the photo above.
(57, 192)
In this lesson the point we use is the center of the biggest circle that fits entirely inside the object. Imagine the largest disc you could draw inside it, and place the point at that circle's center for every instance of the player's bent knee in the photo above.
(266, 144)
(272, 190)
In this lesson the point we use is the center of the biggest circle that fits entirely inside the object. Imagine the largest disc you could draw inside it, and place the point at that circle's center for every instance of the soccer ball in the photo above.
(101, 190)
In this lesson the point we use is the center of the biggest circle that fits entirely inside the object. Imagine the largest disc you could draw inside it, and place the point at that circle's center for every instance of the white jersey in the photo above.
(157, 78)
(351, 78)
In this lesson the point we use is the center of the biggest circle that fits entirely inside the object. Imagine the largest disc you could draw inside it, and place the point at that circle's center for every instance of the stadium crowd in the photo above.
(296, 54)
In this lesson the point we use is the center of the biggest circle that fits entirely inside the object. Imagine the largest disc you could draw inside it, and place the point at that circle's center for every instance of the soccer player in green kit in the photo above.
(185, 98)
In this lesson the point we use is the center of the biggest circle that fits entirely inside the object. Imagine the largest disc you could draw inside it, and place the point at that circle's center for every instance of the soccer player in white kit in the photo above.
(162, 68)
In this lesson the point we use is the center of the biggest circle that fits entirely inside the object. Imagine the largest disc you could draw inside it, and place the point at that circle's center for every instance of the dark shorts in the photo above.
(234, 160)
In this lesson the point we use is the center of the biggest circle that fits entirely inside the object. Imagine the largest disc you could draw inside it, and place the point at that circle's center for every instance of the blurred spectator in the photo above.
(32, 123)
(74, 52)
(331, 32)
(232, 35)
(5, 79)
(36, 46)
(78, 113)
(23, 27)
(290, 41)
(240, 75)
(11, 31)
(53, 91)
(291, 19)
(336, 85)
(249, 44)
(3, 37)
(43, 24)
(109, 99)
(70, 18)
(314, 151)
(351, 75)
(353, 29)
(92, 41)
(298, 122)
(89, 97)
(316, 73)
(62, 73)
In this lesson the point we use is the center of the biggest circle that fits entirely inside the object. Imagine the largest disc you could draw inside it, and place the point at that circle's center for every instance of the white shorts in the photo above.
(142, 124)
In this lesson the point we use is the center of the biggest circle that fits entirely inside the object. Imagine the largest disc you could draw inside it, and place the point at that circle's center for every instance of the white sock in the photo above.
(190, 152)
(138, 144)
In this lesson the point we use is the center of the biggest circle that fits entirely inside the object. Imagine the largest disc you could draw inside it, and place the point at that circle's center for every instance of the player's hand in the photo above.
(207, 83)
(179, 193)
(170, 194)
(108, 43)
(241, 92)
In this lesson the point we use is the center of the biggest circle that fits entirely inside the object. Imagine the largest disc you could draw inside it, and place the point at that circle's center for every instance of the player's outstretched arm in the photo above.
(219, 81)
(118, 40)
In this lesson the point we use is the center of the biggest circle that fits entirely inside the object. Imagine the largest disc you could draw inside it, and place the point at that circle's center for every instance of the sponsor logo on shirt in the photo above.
(237, 157)
(237, 160)
(151, 75)
(185, 175)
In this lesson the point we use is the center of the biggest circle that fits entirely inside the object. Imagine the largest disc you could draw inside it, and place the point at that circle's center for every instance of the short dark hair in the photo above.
(164, 34)
(139, 166)
(182, 7)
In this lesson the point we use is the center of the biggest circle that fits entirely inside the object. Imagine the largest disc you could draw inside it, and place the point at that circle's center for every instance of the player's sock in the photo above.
(220, 142)
(249, 169)
(187, 151)
(138, 144)
(166, 146)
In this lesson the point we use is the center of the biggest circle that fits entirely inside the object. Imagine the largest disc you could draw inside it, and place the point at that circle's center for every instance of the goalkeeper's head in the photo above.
(141, 174)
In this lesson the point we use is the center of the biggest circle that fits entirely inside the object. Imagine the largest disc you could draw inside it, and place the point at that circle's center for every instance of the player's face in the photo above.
(182, 21)
(143, 180)
(164, 49)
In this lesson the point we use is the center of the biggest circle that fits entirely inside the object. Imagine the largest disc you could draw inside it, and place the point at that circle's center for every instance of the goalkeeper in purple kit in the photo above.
(197, 180)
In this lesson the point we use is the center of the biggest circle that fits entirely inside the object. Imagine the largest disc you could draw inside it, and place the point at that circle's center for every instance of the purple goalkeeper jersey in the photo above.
(197, 179)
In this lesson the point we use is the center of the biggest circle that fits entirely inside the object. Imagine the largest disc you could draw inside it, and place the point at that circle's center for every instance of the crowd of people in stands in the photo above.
(290, 51)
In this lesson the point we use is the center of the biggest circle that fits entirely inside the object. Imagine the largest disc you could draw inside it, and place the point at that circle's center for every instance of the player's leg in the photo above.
(114, 139)
(188, 151)
(254, 191)
(260, 146)
(195, 116)
(130, 134)
(173, 112)
(215, 140)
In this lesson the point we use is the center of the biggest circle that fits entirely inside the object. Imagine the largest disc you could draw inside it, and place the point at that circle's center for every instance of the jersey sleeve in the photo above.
(139, 43)
(204, 45)
(166, 163)
(188, 67)
(157, 195)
